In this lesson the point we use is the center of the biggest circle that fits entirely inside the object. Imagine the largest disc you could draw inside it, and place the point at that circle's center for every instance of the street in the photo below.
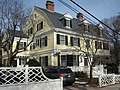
(81, 87)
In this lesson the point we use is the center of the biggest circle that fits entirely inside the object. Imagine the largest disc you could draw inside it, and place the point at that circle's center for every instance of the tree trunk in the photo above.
(91, 76)
(10, 61)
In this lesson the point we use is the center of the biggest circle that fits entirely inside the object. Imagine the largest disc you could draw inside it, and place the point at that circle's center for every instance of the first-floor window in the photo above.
(63, 60)
(85, 61)
(43, 61)
(69, 60)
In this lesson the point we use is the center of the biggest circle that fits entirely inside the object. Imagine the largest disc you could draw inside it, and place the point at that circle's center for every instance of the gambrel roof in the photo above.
(55, 17)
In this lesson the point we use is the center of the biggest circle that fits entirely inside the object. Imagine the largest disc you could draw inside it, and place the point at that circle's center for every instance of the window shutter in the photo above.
(58, 39)
(40, 60)
(95, 44)
(42, 25)
(64, 22)
(40, 42)
(46, 59)
(37, 27)
(66, 40)
(79, 42)
(25, 46)
(71, 41)
(36, 43)
(71, 23)
(17, 45)
(46, 41)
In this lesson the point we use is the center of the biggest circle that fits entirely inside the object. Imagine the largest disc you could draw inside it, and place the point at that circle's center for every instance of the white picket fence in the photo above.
(108, 79)
(27, 78)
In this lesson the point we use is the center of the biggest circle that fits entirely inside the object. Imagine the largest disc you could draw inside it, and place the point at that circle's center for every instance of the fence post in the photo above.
(61, 82)
(26, 74)
(113, 78)
(100, 81)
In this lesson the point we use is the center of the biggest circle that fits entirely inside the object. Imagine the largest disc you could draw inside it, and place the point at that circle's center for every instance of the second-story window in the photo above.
(87, 43)
(21, 45)
(37, 42)
(40, 26)
(62, 39)
(105, 46)
(34, 46)
(98, 45)
(30, 31)
(43, 41)
(75, 41)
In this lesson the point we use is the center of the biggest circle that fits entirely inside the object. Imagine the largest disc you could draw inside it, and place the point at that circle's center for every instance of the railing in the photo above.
(108, 79)
(23, 75)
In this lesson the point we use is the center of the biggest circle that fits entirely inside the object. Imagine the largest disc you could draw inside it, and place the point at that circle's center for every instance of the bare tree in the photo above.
(13, 19)
(92, 44)
(114, 23)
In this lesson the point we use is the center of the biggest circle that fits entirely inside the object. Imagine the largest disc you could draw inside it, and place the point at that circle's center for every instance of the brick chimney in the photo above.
(50, 5)
(80, 16)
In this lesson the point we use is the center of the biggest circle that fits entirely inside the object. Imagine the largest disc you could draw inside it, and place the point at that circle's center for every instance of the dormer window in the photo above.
(66, 20)
(101, 29)
(68, 23)
(87, 28)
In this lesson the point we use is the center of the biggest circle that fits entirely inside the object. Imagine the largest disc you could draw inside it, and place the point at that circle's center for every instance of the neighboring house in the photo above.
(21, 57)
(59, 38)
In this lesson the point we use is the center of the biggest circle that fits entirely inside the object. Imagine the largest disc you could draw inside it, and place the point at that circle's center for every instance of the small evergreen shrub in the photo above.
(81, 74)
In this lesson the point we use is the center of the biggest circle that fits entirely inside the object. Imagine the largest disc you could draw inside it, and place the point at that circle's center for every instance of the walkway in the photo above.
(81, 87)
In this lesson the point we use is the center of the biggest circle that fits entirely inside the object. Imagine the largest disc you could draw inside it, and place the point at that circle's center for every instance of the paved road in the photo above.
(81, 87)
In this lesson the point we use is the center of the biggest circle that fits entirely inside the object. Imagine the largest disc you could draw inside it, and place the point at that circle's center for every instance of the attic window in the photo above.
(40, 26)
(87, 28)
(67, 23)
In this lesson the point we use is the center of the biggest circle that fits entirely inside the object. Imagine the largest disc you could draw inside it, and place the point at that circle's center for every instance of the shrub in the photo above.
(81, 74)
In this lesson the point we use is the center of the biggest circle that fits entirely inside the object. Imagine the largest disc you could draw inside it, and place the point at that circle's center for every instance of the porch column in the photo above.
(18, 62)
(27, 59)
(52, 59)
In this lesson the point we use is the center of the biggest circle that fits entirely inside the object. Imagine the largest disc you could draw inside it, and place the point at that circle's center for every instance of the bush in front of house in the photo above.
(81, 74)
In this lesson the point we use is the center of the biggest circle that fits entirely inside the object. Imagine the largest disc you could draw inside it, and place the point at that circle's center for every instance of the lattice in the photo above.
(11, 76)
(117, 78)
(106, 80)
(36, 75)
(23, 75)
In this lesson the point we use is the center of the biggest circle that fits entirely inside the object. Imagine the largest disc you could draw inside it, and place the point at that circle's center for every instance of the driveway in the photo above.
(81, 87)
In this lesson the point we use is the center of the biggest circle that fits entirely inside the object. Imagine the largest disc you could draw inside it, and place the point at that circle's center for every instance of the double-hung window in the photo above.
(43, 41)
(105, 46)
(75, 41)
(43, 61)
(62, 39)
(87, 43)
(40, 26)
(98, 45)
(69, 60)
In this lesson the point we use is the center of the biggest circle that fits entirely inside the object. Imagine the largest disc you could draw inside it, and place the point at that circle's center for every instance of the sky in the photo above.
(99, 8)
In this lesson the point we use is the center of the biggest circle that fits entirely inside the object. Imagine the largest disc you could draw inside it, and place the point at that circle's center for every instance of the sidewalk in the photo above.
(112, 87)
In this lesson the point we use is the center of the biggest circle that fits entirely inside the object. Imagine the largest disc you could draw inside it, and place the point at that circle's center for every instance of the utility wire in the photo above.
(75, 10)
(93, 16)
